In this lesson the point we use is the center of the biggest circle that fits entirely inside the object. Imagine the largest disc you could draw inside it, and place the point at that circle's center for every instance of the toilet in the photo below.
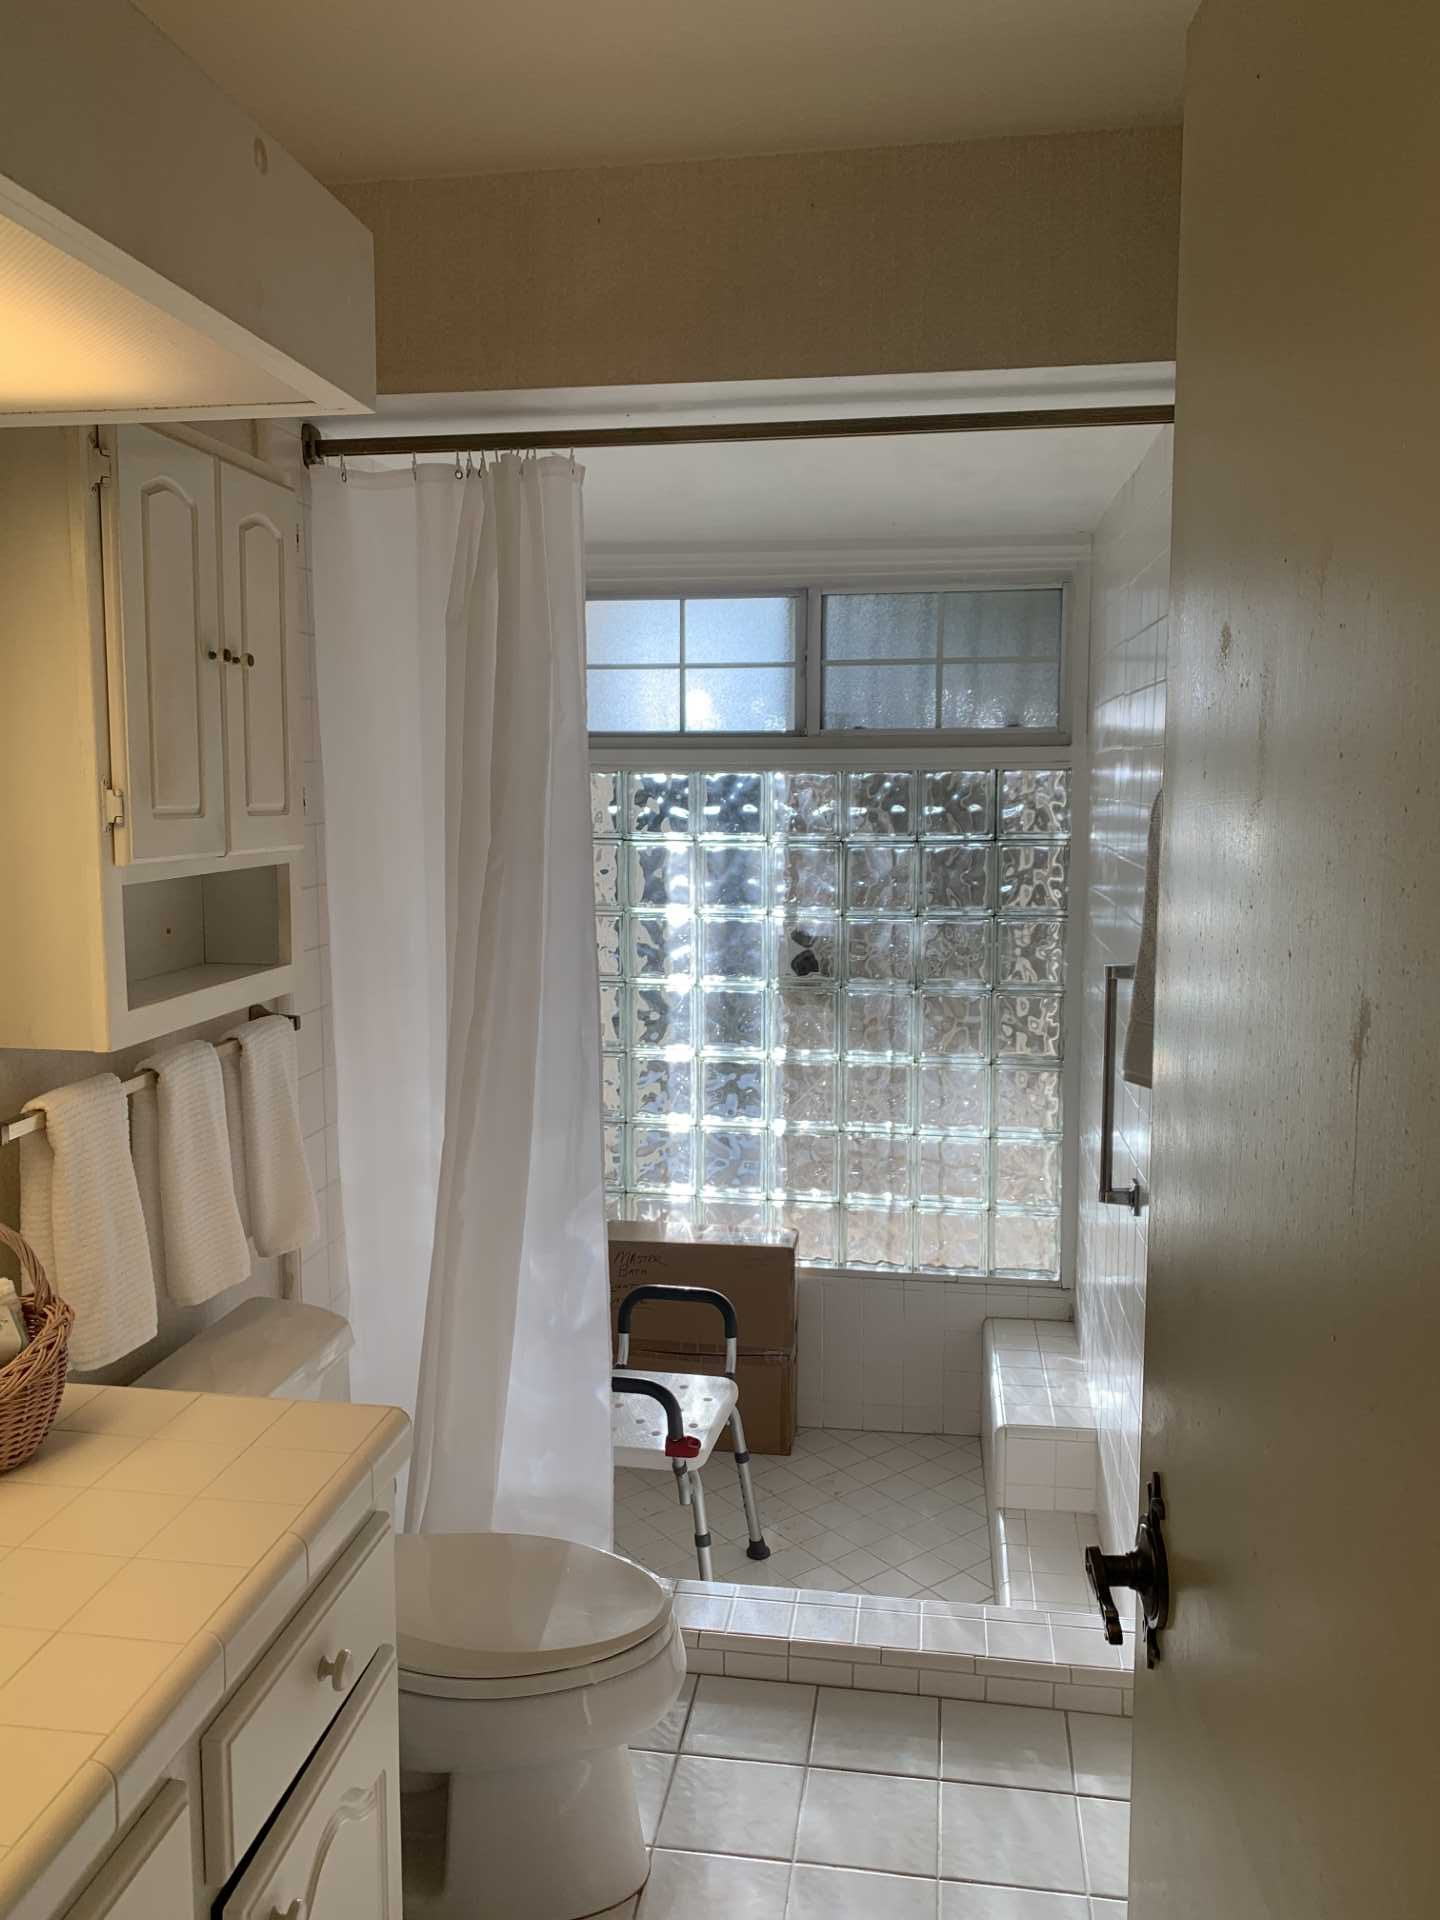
(527, 1666)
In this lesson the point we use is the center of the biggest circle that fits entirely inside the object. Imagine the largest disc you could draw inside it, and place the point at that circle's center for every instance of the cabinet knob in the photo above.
(334, 1670)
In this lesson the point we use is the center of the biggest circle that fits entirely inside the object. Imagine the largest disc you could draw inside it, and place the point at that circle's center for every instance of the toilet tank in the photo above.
(263, 1348)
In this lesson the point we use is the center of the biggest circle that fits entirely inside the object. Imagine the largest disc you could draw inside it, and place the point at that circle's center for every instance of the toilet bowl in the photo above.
(527, 1666)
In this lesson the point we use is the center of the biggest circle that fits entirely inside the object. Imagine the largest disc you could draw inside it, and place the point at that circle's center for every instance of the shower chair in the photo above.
(693, 1411)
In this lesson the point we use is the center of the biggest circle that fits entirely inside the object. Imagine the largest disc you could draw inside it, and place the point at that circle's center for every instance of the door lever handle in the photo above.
(1145, 1569)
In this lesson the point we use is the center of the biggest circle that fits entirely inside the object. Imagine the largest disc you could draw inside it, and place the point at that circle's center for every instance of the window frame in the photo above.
(1052, 564)
(1068, 577)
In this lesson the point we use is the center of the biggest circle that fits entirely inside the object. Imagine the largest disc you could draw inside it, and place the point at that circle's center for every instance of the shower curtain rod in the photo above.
(318, 447)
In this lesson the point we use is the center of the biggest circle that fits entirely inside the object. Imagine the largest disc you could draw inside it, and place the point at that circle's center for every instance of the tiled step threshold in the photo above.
(959, 1651)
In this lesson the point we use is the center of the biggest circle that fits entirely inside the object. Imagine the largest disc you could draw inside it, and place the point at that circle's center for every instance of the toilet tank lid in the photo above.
(490, 1606)
(259, 1348)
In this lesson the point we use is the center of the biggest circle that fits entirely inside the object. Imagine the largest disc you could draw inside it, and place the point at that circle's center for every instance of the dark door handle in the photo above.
(1145, 1569)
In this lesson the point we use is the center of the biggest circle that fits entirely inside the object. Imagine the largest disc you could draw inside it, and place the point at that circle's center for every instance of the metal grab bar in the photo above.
(1110, 1194)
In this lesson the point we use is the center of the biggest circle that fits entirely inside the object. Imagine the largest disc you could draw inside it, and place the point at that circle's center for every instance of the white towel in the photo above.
(1138, 1064)
(80, 1210)
(204, 1240)
(283, 1215)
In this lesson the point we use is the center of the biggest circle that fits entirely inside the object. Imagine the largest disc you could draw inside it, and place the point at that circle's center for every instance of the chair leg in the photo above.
(757, 1549)
(702, 1528)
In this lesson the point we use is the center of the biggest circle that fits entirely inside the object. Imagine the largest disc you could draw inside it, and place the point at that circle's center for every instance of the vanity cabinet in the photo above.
(333, 1852)
(150, 1874)
(150, 734)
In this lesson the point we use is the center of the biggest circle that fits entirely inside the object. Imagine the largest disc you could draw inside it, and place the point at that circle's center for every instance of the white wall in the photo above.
(324, 1280)
(1129, 627)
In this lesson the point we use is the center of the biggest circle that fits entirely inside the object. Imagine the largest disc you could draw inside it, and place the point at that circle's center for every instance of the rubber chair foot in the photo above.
(757, 1550)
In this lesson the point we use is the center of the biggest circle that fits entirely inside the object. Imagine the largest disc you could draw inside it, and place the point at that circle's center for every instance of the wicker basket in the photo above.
(32, 1383)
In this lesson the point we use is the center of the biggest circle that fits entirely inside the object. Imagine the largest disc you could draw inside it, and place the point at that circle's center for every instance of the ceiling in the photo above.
(937, 491)
(367, 89)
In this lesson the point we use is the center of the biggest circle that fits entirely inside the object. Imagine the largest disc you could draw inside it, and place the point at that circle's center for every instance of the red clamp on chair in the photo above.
(697, 1408)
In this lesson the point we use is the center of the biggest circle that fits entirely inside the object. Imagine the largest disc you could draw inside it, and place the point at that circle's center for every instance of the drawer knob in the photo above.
(334, 1671)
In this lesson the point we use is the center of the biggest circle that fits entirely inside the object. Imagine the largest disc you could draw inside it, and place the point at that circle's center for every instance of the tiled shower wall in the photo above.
(1128, 642)
(901, 1355)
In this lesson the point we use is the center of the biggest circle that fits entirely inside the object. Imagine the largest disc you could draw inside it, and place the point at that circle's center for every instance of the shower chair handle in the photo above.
(678, 1444)
(697, 1296)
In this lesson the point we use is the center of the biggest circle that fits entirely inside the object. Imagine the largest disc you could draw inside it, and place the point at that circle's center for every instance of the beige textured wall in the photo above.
(1054, 250)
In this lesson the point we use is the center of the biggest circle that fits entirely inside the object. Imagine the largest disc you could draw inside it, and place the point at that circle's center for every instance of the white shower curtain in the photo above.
(449, 640)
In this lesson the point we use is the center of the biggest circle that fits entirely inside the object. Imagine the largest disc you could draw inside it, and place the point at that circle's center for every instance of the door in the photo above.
(1285, 1746)
(259, 521)
(165, 660)
(333, 1850)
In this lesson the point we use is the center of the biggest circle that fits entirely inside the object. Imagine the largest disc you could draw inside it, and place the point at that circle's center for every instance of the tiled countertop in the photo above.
(148, 1553)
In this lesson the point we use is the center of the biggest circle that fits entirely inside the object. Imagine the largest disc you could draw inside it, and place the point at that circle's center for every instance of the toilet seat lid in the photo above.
(490, 1606)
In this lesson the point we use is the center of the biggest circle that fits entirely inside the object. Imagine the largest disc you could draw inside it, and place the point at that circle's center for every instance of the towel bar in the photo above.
(1110, 1194)
(24, 1123)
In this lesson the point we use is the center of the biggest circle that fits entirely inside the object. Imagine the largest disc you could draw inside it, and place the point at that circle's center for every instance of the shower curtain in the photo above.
(449, 642)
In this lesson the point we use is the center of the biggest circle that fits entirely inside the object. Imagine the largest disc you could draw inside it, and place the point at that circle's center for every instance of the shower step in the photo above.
(1038, 1425)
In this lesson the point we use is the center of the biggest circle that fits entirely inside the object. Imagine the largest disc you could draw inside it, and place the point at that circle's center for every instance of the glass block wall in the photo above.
(835, 1001)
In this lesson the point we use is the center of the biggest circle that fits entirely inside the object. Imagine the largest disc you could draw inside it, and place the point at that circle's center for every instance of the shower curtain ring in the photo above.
(414, 466)
(344, 476)
(469, 466)
(459, 470)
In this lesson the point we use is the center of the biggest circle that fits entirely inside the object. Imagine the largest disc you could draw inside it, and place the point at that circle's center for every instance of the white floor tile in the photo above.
(1007, 1837)
(694, 1886)
(862, 1510)
(839, 1893)
(1100, 1747)
(868, 1820)
(1105, 1825)
(876, 1733)
(732, 1806)
(652, 1778)
(1109, 1909)
(959, 1902)
(665, 1736)
(1004, 1746)
(750, 1720)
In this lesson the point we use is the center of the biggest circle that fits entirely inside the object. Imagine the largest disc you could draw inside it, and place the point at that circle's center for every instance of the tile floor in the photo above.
(881, 1513)
(901, 1515)
(771, 1802)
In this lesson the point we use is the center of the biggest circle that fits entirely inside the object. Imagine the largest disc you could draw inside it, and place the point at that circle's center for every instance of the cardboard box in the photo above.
(755, 1271)
(767, 1392)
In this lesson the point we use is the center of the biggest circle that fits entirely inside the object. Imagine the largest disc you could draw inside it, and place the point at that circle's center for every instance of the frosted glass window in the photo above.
(976, 660)
(835, 1000)
(692, 665)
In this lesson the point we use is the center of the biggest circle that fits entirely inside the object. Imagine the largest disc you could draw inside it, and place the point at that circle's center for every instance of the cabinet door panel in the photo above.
(149, 1875)
(168, 644)
(335, 1844)
(262, 706)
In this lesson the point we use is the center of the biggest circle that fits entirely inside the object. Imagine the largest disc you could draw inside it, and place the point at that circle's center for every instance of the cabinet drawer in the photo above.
(333, 1852)
(149, 1875)
(258, 1742)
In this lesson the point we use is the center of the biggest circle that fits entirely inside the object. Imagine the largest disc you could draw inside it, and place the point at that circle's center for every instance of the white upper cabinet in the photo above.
(260, 579)
(204, 653)
(167, 688)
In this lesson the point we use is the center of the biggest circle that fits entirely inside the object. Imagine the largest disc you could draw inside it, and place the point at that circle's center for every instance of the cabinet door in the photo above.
(333, 1850)
(166, 654)
(149, 1875)
(261, 582)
